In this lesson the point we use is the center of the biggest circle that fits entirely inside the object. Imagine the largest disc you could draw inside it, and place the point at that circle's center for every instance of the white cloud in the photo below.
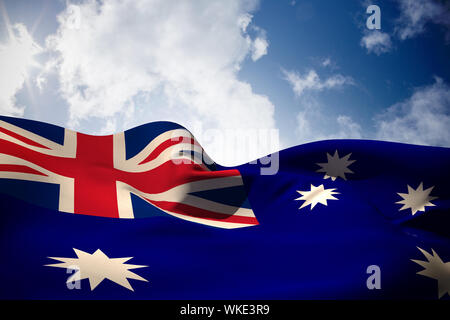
(160, 60)
(16, 57)
(312, 82)
(413, 19)
(308, 120)
(259, 45)
(244, 20)
(416, 14)
(348, 129)
(312, 125)
(326, 62)
(259, 48)
(377, 42)
(424, 118)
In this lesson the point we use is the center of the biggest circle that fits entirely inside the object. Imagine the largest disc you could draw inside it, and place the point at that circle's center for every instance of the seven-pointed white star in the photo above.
(435, 268)
(98, 266)
(336, 167)
(416, 200)
(316, 195)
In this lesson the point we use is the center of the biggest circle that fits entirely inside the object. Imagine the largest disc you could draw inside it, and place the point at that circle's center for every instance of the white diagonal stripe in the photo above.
(68, 149)
(66, 191)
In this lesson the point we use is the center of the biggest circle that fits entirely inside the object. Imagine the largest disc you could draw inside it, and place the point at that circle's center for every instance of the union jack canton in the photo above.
(152, 169)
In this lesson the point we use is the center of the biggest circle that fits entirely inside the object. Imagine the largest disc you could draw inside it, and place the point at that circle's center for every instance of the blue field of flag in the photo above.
(371, 225)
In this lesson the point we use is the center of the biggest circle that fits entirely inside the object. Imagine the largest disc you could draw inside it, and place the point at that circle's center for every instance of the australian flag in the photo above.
(146, 214)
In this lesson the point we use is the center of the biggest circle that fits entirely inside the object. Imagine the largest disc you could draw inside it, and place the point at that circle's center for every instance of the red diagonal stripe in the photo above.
(21, 138)
(19, 168)
(166, 144)
(191, 211)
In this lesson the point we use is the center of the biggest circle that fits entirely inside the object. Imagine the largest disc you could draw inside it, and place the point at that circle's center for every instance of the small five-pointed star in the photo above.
(98, 266)
(416, 200)
(316, 195)
(336, 167)
(435, 268)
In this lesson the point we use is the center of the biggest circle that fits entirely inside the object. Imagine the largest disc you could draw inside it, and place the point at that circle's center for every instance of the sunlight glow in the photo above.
(16, 58)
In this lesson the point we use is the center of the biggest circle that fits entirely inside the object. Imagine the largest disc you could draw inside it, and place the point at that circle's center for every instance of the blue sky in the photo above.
(308, 70)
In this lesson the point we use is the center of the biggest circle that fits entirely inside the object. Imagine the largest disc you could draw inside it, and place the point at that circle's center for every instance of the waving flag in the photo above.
(160, 164)
(340, 219)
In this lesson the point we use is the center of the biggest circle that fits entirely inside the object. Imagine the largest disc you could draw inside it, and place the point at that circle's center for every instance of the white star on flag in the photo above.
(336, 167)
(316, 195)
(435, 268)
(98, 266)
(416, 200)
